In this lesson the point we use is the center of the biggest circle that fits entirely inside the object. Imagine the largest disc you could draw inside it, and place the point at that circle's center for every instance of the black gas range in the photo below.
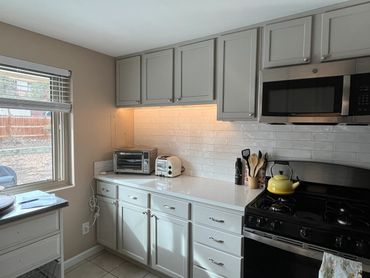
(319, 217)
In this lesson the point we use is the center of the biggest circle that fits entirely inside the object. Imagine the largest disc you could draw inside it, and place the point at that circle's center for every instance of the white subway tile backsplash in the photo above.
(208, 148)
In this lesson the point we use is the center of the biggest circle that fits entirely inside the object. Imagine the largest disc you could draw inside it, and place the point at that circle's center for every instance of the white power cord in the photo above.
(94, 206)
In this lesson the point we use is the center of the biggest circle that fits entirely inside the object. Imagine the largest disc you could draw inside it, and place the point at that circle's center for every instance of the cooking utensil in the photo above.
(281, 184)
(245, 154)
(260, 164)
(253, 161)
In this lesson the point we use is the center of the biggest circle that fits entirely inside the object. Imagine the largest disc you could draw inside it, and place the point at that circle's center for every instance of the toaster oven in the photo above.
(135, 160)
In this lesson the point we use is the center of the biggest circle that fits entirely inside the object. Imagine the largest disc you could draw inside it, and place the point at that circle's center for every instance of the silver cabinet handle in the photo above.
(216, 240)
(215, 262)
(168, 207)
(115, 203)
(153, 215)
(132, 197)
(178, 99)
(306, 59)
(250, 114)
(106, 190)
(170, 100)
(217, 220)
(138, 101)
(324, 57)
(145, 212)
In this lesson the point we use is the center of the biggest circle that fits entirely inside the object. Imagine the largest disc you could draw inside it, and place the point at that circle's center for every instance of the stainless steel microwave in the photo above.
(327, 93)
(135, 160)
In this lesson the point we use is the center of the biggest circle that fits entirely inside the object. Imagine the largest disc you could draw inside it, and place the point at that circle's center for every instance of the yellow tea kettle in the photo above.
(281, 184)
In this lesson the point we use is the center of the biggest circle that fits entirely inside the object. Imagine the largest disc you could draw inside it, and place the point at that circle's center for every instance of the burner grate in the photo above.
(347, 214)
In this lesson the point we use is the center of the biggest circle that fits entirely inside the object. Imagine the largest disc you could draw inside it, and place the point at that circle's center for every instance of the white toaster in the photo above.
(168, 166)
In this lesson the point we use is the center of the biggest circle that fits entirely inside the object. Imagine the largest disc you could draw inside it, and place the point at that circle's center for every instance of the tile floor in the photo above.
(107, 265)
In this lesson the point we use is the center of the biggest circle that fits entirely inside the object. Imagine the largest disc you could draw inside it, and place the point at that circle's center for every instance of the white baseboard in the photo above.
(82, 256)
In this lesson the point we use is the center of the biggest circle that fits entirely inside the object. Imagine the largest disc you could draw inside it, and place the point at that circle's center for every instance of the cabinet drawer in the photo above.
(217, 261)
(32, 228)
(29, 257)
(132, 196)
(170, 206)
(107, 189)
(219, 240)
(202, 273)
(218, 219)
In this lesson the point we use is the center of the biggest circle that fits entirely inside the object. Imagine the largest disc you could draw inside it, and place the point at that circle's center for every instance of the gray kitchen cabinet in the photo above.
(194, 72)
(345, 33)
(287, 43)
(170, 245)
(133, 229)
(157, 77)
(128, 78)
(107, 222)
(236, 75)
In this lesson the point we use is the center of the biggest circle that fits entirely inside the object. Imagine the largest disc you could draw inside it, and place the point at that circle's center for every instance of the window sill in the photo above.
(47, 187)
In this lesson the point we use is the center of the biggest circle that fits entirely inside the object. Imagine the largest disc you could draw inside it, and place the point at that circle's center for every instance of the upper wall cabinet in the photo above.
(287, 43)
(345, 33)
(157, 77)
(194, 72)
(128, 81)
(236, 75)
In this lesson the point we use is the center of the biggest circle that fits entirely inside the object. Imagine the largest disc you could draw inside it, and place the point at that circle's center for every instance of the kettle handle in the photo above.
(282, 162)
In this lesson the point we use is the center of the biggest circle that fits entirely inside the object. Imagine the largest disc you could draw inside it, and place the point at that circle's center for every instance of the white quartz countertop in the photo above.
(209, 191)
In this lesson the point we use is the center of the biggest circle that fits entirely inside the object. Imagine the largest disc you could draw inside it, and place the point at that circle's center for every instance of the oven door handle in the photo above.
(285, 244)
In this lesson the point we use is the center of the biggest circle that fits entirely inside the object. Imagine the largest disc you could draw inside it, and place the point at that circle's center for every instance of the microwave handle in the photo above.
(346, 95)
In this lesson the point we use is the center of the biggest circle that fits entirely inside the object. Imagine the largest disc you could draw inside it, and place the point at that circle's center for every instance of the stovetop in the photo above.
(332, 216)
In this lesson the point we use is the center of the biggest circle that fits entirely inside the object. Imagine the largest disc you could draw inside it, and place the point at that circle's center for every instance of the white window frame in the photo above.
(63, 175)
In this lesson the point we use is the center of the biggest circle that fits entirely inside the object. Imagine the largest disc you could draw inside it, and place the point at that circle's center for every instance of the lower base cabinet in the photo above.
(133, 228)
(107, 222)
(154, 229)
(170, 245)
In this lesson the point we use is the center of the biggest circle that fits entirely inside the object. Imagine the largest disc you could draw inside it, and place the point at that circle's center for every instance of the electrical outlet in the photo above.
(85, 228)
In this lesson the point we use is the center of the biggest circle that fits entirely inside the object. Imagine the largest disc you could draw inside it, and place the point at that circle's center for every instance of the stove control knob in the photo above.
(274, 225)
(360, 245)
(260, 222)
(339, 241)
(304, 232)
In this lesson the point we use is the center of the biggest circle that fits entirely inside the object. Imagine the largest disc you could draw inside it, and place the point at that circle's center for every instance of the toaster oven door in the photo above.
(129, 162)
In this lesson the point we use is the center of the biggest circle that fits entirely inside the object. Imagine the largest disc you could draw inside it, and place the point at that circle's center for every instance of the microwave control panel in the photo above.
(360, 94)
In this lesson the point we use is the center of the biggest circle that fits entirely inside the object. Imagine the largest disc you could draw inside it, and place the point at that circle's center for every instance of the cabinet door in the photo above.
(157, 77)
(287, 43)
(194, 72)
(107, 222)
(128, 86)
(345, 33)
(170, 245)
(236, 77)
(133, 232)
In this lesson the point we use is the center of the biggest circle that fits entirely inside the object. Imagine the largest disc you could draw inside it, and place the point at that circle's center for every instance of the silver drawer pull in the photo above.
(215, 262)
(168, 207)
(216, 240)
(132, 197)
(217, 220)
(106, 190)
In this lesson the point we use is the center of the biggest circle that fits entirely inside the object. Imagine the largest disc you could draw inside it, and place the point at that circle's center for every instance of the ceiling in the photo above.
(119, 27)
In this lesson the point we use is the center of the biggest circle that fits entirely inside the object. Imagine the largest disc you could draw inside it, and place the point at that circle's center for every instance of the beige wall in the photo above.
(93, 103)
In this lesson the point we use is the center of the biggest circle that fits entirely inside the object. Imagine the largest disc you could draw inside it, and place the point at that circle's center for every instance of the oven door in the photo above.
(266, 257)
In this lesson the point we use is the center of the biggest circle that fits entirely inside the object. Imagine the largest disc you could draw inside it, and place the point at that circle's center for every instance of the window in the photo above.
(35, 110)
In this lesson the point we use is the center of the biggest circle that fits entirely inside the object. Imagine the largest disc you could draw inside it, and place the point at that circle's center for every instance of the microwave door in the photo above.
(304, 100)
